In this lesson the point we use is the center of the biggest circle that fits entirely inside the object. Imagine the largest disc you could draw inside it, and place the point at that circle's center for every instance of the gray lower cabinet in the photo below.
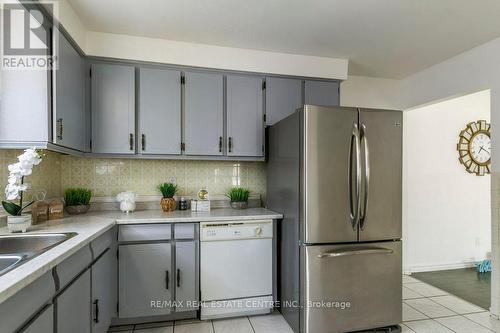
(113, 108)
(245, 116)
(104, 294)
(283, 97)
(43, 323)
(69, 101)
(203, 114)
(73, 306)
(145, 278)
(186, 276)
(159, 111)
(324, 93)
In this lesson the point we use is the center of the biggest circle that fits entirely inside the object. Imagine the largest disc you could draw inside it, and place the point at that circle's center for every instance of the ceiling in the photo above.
(381, 38)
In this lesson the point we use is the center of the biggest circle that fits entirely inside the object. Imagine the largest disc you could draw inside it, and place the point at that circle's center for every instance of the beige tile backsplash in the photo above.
(107, 177)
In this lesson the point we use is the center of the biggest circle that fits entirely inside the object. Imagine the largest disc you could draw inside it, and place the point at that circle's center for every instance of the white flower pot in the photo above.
(19, 223)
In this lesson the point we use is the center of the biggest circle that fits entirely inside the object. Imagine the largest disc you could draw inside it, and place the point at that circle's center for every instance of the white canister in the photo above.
(127, 201)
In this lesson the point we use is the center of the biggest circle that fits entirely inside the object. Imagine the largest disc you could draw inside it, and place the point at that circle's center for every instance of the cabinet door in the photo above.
(145, 279)
(203, 114)
(44, 323)
(283, 97)
(325, 93)
(159, 111)
(113, 109)
(73, 306)
(104, 291)
(245, 116)
(69, 118)
(186, 277)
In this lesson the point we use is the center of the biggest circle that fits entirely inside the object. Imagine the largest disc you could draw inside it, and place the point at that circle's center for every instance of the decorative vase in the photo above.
(19, 223)
(168, 204)
(76, 210)
(239, 204)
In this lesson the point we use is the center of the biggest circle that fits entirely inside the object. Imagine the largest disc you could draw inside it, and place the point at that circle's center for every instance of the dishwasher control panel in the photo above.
(217, 231)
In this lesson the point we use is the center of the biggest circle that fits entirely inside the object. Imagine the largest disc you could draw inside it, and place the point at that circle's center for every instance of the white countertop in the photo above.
(90, 226)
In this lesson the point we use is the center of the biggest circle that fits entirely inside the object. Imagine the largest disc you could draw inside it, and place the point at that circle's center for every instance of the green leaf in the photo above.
(26, 206)
(11, 208)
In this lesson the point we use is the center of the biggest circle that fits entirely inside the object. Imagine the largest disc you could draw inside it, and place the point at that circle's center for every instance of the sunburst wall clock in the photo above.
(474, 148)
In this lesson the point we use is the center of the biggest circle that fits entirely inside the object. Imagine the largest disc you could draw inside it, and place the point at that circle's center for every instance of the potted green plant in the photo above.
(14, 191)
(77, 200)
(168, 191)
(238, 197)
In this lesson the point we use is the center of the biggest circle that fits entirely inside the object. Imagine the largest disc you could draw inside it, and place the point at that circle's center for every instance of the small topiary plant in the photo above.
(238, 194)
(168, 190)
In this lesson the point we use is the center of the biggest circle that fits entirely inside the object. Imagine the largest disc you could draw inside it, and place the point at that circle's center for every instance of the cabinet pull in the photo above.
(59, 129)
(220, 144)
(167, 280)
(230, 144)
(96, 311)
(143, 141)
(178, 277)
(131, 141)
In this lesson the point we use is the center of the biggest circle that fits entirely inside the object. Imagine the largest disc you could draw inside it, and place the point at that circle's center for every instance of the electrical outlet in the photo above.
(173, 180)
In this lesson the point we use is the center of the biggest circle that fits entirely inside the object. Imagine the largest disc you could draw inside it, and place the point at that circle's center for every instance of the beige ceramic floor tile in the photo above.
(461, 324)
(410, 313)
(240, 325)
(457, 304)
(202, 327)
(410, 294)
(409, 279)
(429, 308)
(271, 323)
(427, 326)
(486, 320)
(426, 289)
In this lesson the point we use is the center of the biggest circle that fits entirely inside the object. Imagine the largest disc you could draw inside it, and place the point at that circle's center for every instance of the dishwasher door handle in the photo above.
(167, 279)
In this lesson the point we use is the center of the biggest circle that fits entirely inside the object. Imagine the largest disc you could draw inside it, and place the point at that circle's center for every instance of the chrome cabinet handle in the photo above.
(131, 141)
(230, 144)
(355, 252)
(354, 144)
(178, 277)
(143, 141)
(59, 129)
(167, 280)
(364, 143)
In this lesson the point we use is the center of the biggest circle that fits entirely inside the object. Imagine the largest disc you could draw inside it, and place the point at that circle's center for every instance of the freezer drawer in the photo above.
(351, 287)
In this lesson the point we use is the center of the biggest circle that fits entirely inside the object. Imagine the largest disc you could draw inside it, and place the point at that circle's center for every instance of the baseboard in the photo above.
(438, 267)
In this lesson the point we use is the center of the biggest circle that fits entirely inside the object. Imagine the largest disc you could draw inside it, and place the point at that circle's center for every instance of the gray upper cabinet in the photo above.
(113, 109)
(283, 97)
(69, 101)
(204, 111)
(186, 291)
(245, 116)
(159, 111)
(144, 276)
(73, 306)
(324, 93)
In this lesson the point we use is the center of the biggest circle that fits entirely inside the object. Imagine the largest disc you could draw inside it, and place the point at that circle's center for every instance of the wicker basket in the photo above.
(168, 204)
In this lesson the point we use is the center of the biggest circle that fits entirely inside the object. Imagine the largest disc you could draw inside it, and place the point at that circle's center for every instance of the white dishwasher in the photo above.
(236, 268)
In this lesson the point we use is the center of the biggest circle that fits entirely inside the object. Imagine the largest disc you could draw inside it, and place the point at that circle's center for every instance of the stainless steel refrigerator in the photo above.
(336, 175)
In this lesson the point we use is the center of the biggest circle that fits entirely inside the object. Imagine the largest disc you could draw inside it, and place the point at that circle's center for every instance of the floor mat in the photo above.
(464, 283)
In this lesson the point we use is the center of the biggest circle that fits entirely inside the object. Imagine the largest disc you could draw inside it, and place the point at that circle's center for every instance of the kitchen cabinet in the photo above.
(43, 323)
(69, 92)
(104, 296)
(113, 108)
(203, 114)
(283, 97)
(145, 276)
(186, 276)
(245, 116)
(324, 93)
(73, 306)
(159, 111)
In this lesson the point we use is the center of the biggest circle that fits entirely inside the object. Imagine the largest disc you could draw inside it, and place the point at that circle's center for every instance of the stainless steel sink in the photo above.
(15, 250)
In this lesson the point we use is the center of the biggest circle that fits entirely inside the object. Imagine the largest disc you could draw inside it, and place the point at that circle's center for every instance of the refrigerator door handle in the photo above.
(366, 152)
(354, 207)
(354, 252)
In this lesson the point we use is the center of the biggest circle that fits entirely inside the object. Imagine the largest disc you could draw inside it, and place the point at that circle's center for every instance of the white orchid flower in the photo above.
(30, 157)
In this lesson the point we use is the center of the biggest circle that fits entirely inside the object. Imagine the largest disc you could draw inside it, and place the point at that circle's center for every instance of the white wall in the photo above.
(448, 211)
(370, 92)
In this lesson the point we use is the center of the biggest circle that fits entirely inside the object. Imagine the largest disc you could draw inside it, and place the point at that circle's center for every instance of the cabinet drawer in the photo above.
(144, 232)
(71, 267)
(184, 231)
(101, 243)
